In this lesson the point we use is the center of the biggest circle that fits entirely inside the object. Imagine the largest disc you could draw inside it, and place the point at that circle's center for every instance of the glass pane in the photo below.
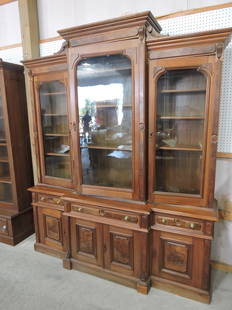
(105, 112)
(180, 131)
(5, 192)
(5, 179)
(2, 128)
(178, 172)
(55, 129)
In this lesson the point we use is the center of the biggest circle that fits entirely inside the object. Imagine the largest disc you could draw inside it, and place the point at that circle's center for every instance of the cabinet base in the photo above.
(39, 247)
(181, 289)
(17, 227)
(140, 286)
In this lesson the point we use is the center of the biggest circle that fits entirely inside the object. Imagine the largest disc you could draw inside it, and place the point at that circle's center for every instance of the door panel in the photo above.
(50, 228)
(52, 107)
(86, 243)
(119, 249)
(179, 258)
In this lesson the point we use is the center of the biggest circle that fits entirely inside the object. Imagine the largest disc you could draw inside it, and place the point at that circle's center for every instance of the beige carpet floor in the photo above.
(33, 281)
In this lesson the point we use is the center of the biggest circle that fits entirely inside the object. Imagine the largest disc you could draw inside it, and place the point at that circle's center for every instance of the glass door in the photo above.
(55, 143)
(5, 177)
(105, 120)
(181, 115)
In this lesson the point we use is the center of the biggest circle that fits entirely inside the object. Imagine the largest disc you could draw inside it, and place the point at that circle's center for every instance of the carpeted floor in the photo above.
(33, 281)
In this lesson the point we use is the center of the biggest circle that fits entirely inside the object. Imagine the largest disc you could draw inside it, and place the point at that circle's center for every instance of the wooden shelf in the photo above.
(53, 94)
(5, 180)
(177, 148)
(194, 90)
(57, 154)
(56, 135)
(48, 114)
(105, 148)
(4, 160)
(182, 117)
(113, 105)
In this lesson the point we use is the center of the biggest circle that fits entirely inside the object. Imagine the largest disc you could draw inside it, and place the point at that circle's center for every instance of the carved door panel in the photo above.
(119, 249)
(86, 241)
(50, 228)
(180, 258)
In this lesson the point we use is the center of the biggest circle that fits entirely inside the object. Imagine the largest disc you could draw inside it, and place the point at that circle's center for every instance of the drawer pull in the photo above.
(4, 227)
(163, 220)
(101, 212)
(42, 198)
(192, 225)
(79, 209)
(126, 218)
(58, 201)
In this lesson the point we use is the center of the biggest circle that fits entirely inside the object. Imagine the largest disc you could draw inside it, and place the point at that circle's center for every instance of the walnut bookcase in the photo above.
(126, 127)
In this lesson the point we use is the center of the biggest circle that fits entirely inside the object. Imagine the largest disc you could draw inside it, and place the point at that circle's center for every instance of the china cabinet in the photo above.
(125, 127)
(16, 218)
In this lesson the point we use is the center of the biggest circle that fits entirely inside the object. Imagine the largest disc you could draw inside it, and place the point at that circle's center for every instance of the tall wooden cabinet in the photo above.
(16, 218)
(125, 126)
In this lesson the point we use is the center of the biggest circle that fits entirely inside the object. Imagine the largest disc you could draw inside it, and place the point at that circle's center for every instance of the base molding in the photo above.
(42, 248)
(141, 287)
(221, 266)
(181, 289)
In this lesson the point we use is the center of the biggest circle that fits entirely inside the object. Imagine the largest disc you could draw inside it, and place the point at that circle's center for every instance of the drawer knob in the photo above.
(4, 227)
(42, 198)
(101, 212)
(163, 220)
(126, 218)
(79, 209)
(192, 225)
(58, 201)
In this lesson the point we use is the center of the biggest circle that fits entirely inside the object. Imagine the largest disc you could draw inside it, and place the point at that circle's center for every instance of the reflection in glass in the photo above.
(105, 112)
(55, 129)
(180, 124)
(5, 179)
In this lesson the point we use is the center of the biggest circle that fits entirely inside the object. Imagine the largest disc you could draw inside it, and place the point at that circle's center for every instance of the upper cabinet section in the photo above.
(184, 86)
(107, 75)
(105, 120)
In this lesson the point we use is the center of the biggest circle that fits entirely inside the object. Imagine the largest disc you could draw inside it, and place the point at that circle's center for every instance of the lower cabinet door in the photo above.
(50, 228)
(119, 249)
(87, 241)
(179, 258)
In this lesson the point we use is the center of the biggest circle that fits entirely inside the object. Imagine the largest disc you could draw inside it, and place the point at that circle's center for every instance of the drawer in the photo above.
(179, 222)
(50, 199)
(4, 226)
(105, 213)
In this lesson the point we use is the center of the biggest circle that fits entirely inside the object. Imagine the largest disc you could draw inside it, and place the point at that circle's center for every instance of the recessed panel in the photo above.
(121, 249)
(52, 228)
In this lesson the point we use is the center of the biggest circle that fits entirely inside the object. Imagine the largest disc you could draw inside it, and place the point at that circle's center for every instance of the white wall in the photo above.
(9, 24)
(55, 15)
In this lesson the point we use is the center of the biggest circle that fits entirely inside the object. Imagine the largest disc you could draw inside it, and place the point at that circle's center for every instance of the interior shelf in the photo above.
(5, 180)
(193, 90)
(194, 149)
(51, 114)
(56, 135)
(4, 160)
(57, 154)
(53, 94)
(182, 117)
(113, 106)
(105, 148)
